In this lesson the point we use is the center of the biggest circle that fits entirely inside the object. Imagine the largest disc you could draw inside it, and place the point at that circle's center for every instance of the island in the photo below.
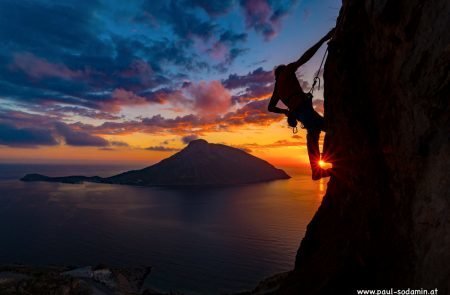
(199, 164)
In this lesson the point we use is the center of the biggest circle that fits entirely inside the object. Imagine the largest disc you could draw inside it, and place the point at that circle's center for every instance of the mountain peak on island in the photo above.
(197, 142)
(199, 164)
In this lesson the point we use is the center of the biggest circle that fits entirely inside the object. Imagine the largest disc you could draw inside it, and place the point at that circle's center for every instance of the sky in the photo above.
(112, 81)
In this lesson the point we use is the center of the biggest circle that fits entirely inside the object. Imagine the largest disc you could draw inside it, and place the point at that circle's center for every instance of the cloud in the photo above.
(232, 38)
(106, 149)
(257, 15)
(258, 76)
(122, 97)
(265, 16)
(83, 134)
(22, 119)
(166, 95)
(63, 111)
(195, 32)
(188, 138)
(25, 137)
(139, 74)
(141, 70)
(213, 8)
(161, 148)
(18, 129)
(225, 49)
(158, 122)
(96, 69)
(48, 27)
(229, 58)
(38, 68)
(165, 51)
(252, 113)
(257, 84)
(276, 144)
(167, 141)
(243, 148)
(180, 17)
(254, 85)
(119, 144)
(210, 98)
(82, 66)
(79, 138)
(218, 51)
(253, 92)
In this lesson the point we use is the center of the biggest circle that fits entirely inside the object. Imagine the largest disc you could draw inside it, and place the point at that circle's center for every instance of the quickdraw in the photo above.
(317, 78)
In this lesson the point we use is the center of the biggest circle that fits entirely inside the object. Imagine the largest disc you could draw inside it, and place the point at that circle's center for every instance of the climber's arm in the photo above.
(273, 105)
(310, 52)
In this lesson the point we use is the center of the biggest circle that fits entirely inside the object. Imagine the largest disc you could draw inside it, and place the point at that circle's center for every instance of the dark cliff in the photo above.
(384, 221)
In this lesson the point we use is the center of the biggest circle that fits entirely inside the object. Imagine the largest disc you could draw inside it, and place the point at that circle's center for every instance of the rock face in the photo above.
(385, 219)
(199, 164)
(57, 280)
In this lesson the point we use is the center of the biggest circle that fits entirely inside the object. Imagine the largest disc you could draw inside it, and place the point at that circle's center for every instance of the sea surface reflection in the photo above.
(205, 241)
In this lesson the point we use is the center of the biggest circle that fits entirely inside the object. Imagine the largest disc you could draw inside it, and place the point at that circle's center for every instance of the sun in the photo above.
(322, 164)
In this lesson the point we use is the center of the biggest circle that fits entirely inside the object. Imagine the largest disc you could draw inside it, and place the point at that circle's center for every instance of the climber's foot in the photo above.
(320, 173)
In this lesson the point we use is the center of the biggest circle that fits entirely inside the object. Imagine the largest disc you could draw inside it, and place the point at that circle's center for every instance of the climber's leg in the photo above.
(312, 143)
(319, 123)
(314, 124)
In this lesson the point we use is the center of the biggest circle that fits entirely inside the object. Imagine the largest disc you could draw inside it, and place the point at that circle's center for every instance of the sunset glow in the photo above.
(134, 82)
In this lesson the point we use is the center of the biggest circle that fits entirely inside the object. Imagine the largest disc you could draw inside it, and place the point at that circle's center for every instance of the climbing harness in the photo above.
(295, 130)
(316, 80)
(292, 122)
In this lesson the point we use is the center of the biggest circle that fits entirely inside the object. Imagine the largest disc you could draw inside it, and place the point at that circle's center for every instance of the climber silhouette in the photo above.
(288, 90)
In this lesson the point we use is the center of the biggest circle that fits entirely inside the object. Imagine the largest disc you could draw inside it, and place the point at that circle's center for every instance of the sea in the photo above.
(197, 241)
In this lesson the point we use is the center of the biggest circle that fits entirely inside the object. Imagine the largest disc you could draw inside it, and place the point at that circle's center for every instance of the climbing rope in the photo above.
(316, 78)
(315, 81)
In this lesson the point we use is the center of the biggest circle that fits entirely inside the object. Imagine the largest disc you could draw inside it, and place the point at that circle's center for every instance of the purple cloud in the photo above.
(265, 16)
(254, 113)
(188, 138)
(37, 68)
(258, 76)
(25, 137)
(79, 138)
(254, 85)
(213, 8)
(210, 98)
